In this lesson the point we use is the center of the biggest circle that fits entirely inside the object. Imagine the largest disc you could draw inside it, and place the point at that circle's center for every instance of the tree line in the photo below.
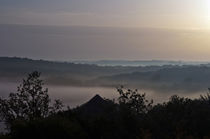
(29, 113)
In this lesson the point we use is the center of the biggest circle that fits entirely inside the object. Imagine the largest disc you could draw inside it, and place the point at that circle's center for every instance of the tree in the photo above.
(30, 102)
(133, 100)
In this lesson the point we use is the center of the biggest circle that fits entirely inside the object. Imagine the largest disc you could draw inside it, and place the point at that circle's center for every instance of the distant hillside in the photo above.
(159, 78)
(61, 72)
(186, 78)
(139, 62)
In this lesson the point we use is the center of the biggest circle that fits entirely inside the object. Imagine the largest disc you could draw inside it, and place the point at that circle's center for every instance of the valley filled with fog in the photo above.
(75, 84)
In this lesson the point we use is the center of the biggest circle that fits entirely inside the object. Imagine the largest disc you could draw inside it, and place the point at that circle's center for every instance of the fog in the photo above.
(75, 96)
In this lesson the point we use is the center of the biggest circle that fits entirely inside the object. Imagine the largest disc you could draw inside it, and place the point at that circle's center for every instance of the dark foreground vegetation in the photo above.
(29, 114)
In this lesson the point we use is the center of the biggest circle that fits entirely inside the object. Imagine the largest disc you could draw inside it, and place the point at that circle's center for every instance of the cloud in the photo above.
(82, 42)
(117, 13)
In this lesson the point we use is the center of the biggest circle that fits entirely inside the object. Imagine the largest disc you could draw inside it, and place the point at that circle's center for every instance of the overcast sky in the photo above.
(105, 29)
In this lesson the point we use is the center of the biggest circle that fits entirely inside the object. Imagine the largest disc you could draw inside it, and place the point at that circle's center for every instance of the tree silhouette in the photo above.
(133, 100)
(30, 102)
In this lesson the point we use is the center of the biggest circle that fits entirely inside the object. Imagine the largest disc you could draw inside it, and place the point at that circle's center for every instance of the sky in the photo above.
(105, 29)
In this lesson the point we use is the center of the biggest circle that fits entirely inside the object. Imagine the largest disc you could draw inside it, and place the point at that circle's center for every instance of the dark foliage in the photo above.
(131, 117)
(29, 103)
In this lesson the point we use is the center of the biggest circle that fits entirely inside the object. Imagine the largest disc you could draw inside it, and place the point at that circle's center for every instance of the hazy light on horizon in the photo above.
(121, 29)
(117, 13)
